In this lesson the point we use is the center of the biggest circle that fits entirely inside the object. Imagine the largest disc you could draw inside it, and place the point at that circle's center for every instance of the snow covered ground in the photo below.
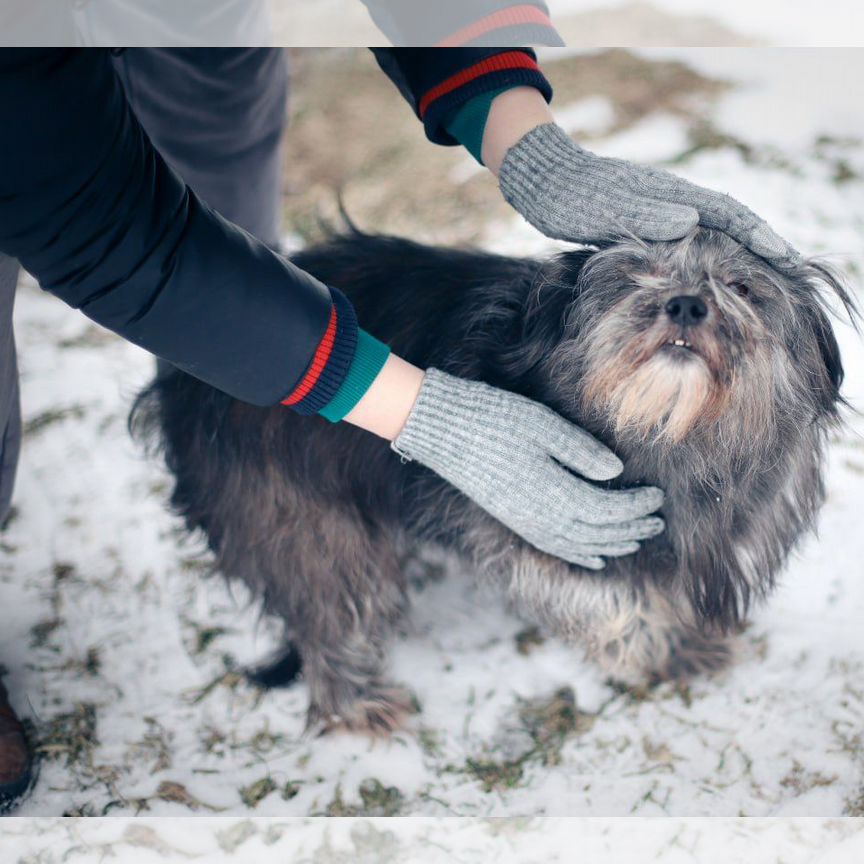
(126, 659)
(434, 841)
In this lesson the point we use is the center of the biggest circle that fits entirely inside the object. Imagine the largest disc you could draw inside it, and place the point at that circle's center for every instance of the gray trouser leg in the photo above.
(10, 406)
(217, 116)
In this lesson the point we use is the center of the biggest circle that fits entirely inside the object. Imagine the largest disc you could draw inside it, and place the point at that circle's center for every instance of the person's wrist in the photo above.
(370, 355)
(468, 123)
(385, 406)
(512, 115)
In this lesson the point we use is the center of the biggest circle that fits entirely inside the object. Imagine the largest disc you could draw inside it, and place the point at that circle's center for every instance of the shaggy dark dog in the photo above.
(711, 375)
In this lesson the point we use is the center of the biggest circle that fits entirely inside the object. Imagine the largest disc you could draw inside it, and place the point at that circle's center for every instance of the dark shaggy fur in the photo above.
(315, 517)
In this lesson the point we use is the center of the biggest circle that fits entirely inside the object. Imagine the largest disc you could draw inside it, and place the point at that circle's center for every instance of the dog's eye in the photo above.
(740, 288)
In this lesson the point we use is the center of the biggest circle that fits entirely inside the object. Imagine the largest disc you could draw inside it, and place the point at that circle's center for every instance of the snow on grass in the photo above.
(128, 661)
(434, 841)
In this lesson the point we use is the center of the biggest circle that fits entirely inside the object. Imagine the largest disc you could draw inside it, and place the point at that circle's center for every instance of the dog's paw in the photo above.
(378, 714)
(637, 666)
(696, 654)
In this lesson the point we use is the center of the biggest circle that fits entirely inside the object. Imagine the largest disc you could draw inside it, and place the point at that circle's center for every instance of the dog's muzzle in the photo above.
(685, 311)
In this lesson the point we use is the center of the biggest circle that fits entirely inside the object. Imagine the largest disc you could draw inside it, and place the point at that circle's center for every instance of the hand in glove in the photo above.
(506, 454)
(572, 194)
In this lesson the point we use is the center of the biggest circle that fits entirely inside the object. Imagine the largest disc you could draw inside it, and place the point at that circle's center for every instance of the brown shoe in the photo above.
(16, 761)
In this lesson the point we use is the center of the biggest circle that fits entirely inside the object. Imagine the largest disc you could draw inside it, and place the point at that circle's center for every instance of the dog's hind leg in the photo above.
(336, 581)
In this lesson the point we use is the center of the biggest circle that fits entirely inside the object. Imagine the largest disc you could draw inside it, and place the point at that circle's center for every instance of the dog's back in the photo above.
(419, 299)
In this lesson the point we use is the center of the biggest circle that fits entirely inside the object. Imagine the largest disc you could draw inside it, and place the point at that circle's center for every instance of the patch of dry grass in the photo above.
(547, 723)
(394, 180)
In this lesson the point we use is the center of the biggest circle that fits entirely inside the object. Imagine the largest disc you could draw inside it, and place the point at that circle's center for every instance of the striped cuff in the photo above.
(523, 24)
(501, 71)
(331, 361)
(369, 359)
(468, 123)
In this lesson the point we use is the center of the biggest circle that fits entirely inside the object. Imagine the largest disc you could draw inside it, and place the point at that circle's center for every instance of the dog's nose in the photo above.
(688, 310)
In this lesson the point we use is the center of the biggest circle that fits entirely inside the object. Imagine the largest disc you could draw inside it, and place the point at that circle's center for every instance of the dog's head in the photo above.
(713, 376)
(663, 341)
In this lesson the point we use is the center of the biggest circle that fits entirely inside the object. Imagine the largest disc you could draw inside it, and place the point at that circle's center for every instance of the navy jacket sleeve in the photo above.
(455, 23)
(437, 81)
(90, 208)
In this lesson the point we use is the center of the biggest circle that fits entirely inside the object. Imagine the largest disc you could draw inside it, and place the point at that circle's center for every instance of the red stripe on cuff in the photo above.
(511, 17)
(319, 362)
(498, 63)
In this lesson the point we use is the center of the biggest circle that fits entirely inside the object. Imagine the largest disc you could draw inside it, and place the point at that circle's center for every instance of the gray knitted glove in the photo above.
(500, 450)
(572, 194)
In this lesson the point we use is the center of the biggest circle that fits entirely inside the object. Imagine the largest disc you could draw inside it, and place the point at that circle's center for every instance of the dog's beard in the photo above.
(650, 389)
(665, 396)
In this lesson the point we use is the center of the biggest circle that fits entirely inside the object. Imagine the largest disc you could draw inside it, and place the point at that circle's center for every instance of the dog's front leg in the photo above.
(646, 635)
(636, 632)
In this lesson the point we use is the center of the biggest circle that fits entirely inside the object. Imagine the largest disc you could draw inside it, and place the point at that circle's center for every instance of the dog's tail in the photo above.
(144, 422)
(280, 671)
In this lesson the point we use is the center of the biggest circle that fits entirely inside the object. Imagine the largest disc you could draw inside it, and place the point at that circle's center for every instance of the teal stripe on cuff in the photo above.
(468, 123)
(369, 358)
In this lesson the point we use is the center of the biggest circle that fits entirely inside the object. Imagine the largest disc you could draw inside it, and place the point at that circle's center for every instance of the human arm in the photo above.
(92, 210)
(495, 102)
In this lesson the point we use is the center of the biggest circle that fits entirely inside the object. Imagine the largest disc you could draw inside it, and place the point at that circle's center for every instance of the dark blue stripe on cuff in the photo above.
(340, 359)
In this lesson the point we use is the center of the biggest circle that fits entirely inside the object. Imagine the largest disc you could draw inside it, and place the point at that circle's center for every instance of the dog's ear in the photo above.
(572, 262)
(554, 291)
(541, 322)
(825, 277)
(829, 349)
